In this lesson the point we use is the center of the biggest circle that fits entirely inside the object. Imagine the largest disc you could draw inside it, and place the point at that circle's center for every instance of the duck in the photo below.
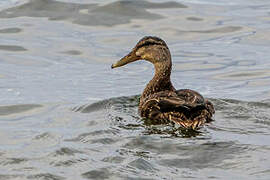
(160, 101)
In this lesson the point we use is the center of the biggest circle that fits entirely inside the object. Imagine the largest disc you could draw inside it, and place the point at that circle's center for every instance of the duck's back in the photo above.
(185, 107)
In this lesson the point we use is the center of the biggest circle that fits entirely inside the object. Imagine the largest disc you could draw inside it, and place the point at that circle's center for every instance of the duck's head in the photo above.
(150, 48)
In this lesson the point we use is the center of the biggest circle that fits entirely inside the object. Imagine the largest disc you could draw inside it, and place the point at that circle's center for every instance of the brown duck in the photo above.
(160, 101)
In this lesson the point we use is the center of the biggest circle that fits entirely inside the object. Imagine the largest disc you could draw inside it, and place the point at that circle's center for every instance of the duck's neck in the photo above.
(161, 80)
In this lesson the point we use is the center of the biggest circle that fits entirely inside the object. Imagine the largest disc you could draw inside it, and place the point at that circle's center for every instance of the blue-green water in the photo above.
(64, 114)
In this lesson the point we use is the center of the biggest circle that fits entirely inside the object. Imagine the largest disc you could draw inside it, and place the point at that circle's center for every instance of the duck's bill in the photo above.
(131, 57)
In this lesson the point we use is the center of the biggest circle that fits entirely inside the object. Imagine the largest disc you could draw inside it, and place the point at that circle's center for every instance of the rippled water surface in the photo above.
(64, 114)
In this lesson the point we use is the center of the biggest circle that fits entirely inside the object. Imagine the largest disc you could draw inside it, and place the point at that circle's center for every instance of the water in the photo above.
(65, 114)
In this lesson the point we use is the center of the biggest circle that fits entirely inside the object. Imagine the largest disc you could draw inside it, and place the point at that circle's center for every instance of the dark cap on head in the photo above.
(150, 40)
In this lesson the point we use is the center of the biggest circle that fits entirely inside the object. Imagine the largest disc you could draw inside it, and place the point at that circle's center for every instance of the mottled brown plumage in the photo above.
(160, 101)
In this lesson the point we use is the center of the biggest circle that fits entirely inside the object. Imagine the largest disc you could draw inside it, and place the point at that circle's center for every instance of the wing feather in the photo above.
(185, 107)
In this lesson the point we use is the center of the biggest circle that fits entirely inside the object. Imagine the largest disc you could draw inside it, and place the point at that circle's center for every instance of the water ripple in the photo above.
(57, 117)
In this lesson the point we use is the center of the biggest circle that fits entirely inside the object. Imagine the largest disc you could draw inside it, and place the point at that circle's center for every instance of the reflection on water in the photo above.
(8, 110)
(120, 12)
(227, 29)
(10, 30)
(12, 48)
(244, 75)
(58, 117)
(72, 52)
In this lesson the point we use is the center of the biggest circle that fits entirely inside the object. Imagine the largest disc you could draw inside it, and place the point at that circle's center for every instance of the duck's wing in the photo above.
(184, 106)
(191, 99)
(196, 100)
(172, 100)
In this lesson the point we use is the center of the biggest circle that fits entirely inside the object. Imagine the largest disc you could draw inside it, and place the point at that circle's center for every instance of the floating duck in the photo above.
(160, 101)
